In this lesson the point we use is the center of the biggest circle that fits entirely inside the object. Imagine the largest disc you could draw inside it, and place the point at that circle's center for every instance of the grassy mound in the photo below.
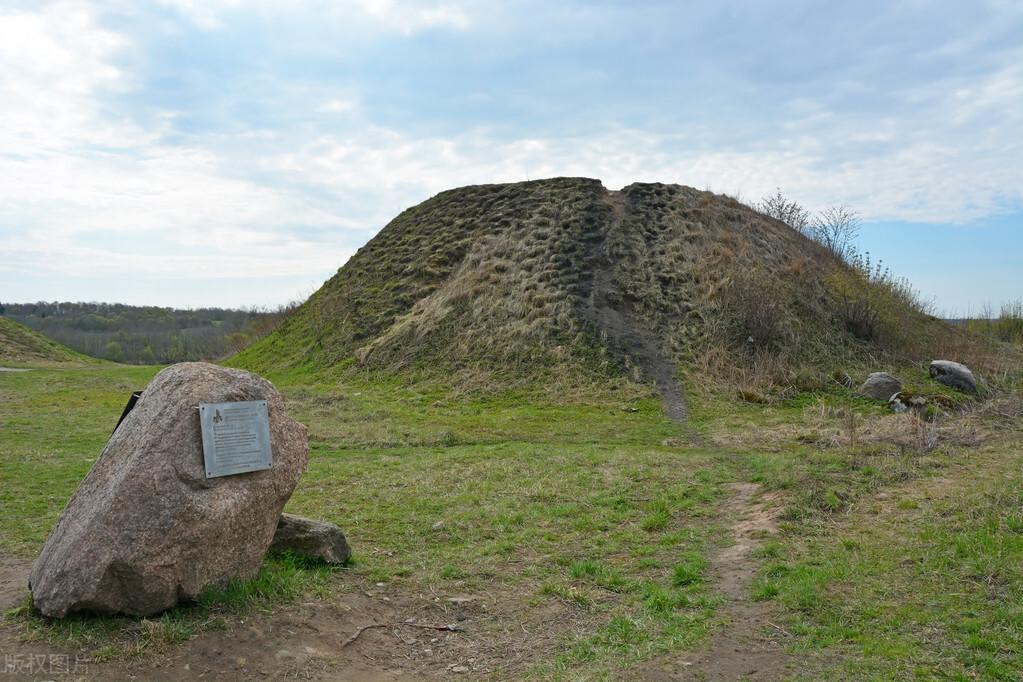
(561, 281)
(20, 345)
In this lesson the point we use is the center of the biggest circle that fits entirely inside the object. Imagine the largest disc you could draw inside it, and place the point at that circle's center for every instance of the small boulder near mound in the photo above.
(880, 386)
(311, 539)
(146, 528)
(954, 375)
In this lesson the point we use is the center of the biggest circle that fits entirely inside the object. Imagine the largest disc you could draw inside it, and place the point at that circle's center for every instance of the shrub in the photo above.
(872, 303)
(1007, 327)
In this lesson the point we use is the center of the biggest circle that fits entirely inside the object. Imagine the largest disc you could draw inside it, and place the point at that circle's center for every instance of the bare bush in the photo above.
(837, 228)
(781, 208)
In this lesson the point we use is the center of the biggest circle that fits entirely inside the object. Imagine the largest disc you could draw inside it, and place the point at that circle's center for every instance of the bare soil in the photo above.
(749, 645)
(626, 333)
(383, 633)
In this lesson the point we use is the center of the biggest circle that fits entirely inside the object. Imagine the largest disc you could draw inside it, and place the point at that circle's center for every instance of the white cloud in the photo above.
(51, 63)
(338, 106)
(402, 16)
(411, 17)
(86, 189)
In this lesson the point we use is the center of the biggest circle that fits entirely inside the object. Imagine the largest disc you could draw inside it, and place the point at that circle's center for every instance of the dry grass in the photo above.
(20, 345)
(493, 286)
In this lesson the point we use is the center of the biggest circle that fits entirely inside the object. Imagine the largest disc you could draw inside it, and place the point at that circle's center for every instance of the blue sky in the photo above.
(222, 152)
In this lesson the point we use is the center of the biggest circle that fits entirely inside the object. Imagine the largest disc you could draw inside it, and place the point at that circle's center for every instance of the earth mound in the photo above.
(502, 285)
(19, 344)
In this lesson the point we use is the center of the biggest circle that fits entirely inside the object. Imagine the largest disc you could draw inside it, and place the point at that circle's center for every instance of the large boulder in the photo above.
(146, 528)
(880, 386)
(954, 375)
(311, 539)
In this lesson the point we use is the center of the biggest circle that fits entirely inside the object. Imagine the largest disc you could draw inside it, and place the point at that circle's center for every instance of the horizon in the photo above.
(236, 154)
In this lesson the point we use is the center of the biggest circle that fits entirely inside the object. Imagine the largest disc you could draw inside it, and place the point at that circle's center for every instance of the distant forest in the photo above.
(146, 334)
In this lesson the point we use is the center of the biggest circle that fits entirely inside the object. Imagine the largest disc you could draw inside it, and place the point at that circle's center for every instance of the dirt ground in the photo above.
(385, 634)
(748, 646)
(371, 635)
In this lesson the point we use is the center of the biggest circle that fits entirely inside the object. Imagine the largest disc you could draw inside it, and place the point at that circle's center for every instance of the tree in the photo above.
(113, 351)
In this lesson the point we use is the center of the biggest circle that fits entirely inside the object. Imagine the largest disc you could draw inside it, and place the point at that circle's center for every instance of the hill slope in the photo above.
(500, 284)
(19, 344)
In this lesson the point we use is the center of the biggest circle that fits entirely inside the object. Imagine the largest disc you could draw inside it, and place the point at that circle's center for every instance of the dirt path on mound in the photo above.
(626, 333)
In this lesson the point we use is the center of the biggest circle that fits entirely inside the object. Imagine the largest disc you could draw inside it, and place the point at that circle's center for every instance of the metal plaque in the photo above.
(235, 437)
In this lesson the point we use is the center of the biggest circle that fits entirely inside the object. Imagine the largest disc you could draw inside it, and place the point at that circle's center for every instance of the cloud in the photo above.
(338, 106)
(402, 16)
(411, 17)
(51, 64)
(222, 138)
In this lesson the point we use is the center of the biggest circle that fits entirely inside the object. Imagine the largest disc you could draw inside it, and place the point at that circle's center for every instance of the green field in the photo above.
(896, 550)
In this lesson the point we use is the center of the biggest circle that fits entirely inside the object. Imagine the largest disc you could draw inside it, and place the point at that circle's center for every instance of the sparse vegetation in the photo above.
(1006, 327)
(493, 287)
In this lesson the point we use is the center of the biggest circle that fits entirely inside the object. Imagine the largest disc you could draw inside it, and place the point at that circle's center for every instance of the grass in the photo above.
(927, 582)
(20, 346)
(896, 560)
(558, 509)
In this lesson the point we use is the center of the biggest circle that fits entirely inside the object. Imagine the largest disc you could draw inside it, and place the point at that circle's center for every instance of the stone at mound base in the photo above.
(311, 539)
(880, 386)
(146, 528)
(954, 375)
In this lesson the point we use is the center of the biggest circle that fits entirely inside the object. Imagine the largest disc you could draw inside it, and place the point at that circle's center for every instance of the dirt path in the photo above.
(626, 332)
(750, 644)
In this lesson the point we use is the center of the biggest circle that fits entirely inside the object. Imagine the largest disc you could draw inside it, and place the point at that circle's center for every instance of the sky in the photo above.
(235, 153)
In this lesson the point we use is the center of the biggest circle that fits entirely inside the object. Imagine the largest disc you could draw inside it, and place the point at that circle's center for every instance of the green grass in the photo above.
(892, 563)
(929, 584)
(542, 502)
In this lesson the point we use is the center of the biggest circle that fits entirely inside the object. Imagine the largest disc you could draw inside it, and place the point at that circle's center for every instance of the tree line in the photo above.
(146, 334)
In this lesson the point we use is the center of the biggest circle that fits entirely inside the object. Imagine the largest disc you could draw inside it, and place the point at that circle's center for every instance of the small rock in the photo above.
(459, 669)
(438, 526)
(954, 375)
(311, 539)
(880, 386)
